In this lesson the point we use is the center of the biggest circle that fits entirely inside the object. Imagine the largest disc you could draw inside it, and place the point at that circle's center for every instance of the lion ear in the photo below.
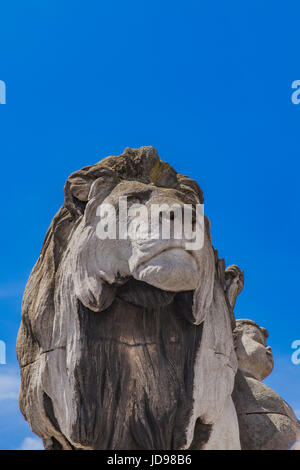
(104, 184)
(79, 184)
(234, 283)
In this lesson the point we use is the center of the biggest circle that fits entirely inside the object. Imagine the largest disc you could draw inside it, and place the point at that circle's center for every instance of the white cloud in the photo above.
(32, 443)
(9, 385)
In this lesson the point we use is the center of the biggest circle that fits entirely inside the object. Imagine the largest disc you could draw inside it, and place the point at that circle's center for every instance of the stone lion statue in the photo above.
(127, 344)
(266, 421)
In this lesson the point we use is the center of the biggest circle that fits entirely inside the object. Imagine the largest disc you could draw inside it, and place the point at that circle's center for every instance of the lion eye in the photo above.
(133, 200)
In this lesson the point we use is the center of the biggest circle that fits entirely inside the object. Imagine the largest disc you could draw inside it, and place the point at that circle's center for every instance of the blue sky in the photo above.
(206, 83)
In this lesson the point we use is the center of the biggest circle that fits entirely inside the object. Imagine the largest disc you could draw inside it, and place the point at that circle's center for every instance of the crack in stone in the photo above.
(263, 413)
(40, 354)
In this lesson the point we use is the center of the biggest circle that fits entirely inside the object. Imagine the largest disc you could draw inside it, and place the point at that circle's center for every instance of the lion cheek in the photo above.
(100, 301)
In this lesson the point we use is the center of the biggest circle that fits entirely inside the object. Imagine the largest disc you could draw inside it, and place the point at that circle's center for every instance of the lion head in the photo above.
(111, 328)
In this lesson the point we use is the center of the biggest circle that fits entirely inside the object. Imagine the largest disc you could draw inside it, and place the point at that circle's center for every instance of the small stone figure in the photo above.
(266, 421)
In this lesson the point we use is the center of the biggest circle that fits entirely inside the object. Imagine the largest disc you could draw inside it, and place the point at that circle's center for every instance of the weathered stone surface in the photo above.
(127, 345)
(266, 421)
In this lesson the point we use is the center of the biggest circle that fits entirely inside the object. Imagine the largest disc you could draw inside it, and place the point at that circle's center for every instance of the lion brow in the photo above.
(136, 193)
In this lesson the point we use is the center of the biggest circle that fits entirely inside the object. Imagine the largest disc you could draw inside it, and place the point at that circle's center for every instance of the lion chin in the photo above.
(172, 270)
